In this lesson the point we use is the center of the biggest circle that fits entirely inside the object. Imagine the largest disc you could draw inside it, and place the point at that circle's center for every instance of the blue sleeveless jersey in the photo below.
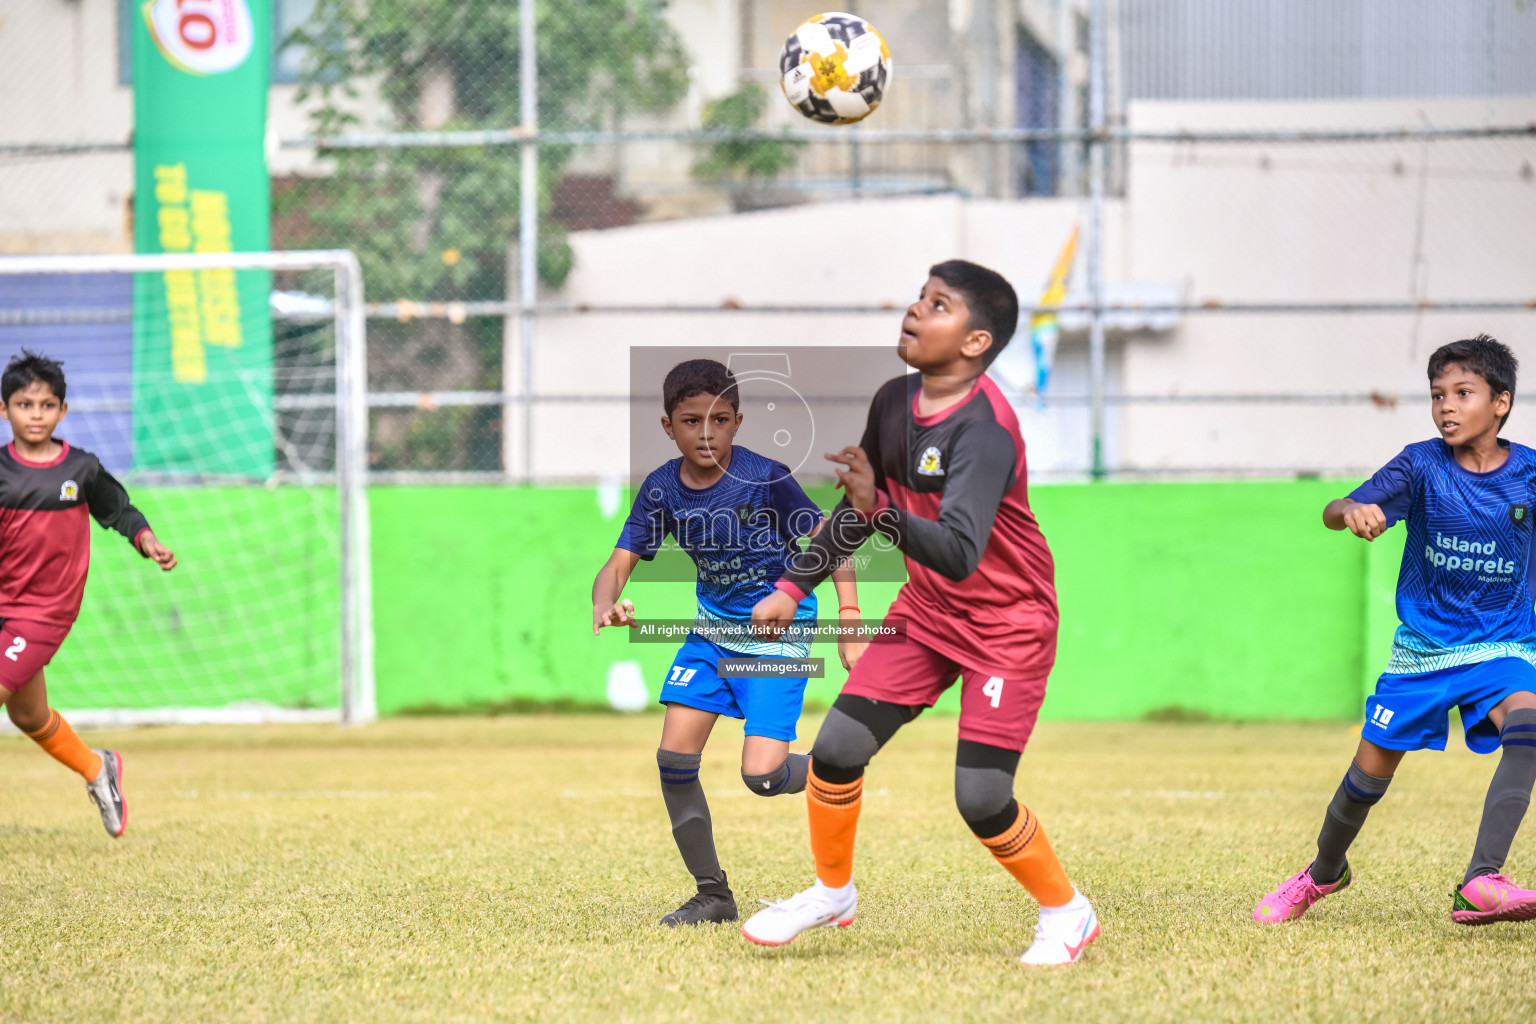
(1464, 591)
(740, 533)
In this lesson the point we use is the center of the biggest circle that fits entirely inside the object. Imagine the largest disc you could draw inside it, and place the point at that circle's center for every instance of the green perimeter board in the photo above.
(1227, 599)
(251, 613)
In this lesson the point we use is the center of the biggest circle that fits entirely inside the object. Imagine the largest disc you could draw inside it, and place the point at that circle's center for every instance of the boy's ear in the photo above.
(666, 424)
(976, 344)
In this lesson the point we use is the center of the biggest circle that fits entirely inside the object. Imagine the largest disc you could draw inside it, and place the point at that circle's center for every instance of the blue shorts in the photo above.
(770, 705)
(1410, 712)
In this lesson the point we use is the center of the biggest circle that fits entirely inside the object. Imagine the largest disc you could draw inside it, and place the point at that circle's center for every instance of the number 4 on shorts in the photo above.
(993, 688)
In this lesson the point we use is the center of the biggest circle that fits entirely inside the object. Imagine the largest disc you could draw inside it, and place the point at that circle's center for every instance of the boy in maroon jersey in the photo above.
(47, 491)
(940, 472)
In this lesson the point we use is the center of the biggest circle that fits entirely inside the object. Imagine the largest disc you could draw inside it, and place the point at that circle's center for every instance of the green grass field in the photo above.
(513, 868)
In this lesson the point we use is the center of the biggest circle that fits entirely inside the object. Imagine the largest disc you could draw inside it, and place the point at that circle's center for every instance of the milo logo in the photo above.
(201, 37)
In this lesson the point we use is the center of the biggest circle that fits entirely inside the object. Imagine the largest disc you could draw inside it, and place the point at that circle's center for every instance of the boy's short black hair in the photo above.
(698, 377)
(991, 299)
(27, 369)
(1489, 359)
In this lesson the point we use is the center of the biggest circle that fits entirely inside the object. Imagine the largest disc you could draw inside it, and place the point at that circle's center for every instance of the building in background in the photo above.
(854, 222)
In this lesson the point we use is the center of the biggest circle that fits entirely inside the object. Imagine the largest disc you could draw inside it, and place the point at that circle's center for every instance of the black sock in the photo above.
(1353, 800)
(1509, 794)
(691, 826)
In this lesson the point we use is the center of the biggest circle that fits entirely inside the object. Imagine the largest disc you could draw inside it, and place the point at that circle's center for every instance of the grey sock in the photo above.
(689, 811)
(1353, 800)
(1509, 794)
(788, 777)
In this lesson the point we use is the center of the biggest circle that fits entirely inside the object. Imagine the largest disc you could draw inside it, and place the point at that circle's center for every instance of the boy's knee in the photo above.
(982, 793)
(788, 777)
(767, 783)
(984, 786)
(855, 730)
(26, 719)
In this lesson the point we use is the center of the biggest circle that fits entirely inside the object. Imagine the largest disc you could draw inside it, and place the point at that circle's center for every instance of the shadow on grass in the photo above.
(519, 706)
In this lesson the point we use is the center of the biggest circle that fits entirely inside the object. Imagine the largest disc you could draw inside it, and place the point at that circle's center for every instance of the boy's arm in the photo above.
(607, 609)
(842, 532)
(1365, 520)
(109, 505)
(1376, 505)
(980, 473)
(849, 648)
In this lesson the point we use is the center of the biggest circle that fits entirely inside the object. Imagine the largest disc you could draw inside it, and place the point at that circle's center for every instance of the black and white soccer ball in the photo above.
(835, 68)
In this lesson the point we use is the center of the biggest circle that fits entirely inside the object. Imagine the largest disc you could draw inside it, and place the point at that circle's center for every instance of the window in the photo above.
(287, 15)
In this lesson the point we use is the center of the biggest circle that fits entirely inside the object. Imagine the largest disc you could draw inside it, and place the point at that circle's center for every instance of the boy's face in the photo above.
(936, 332)
(34, 413)
(1464, 406)
(703, 427)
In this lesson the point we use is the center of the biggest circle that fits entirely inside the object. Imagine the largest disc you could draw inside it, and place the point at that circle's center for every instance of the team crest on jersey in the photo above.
(1518, 514)
(70, 491)
(929, 464)
(744, 513)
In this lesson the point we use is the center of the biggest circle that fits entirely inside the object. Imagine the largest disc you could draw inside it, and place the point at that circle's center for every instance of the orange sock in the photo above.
(65, 747)
(1023, 849)
(834, 812)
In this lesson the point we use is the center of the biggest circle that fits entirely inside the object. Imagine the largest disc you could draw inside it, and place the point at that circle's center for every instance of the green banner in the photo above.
(202, 340)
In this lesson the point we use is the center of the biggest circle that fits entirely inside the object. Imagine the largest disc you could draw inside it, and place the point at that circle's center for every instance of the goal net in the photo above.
(227, 392)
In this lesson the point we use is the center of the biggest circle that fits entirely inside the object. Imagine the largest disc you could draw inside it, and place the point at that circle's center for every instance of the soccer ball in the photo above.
(834, 68)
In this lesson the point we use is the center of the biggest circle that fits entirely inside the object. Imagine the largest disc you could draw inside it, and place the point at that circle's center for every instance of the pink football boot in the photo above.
(1295, 895)
(1489, 898)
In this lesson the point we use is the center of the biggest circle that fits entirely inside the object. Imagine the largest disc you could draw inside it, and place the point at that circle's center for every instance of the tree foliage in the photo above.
(436, 223)
(736, 160)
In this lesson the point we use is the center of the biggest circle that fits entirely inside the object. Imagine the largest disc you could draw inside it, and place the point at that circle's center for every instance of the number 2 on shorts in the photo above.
(993, 688)
(17, 646)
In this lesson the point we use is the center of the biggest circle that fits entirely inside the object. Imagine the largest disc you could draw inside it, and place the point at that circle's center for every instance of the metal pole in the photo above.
(528, 217)
(1096, 145)
(358, 701)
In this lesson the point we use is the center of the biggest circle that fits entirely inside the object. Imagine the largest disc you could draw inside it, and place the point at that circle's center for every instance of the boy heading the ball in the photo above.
(737, 515)
(48, 492)
(1468, 632)
(941, 473)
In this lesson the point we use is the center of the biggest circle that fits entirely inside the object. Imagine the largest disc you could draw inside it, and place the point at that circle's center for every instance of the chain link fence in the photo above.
(1262, 217)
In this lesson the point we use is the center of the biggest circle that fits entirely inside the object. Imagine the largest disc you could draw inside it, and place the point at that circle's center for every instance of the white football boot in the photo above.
(1063, 933)
(816, 907)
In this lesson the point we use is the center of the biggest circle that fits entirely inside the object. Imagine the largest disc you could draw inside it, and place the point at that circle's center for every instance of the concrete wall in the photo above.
(1224, 222)
(1324, 222)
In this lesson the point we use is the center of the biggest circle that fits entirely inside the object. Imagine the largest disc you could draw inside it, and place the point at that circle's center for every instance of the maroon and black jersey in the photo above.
(953, 496)
(45, 535)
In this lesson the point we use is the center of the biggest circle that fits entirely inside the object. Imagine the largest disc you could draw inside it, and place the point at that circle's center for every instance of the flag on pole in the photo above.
(1044, 328)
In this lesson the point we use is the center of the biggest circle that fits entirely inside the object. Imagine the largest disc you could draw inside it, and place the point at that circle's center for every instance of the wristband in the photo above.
(847, 607)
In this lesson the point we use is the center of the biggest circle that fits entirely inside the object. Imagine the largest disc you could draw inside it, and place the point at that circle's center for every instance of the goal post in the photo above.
(243, 435)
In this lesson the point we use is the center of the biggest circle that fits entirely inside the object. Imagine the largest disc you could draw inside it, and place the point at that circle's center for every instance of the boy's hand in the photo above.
(858, 480)
(1365, 521)
(772, 615)
(620, 613)
(849, 651)
(150, 547)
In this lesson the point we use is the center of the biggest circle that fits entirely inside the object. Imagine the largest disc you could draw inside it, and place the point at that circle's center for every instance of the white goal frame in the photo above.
(358, 704)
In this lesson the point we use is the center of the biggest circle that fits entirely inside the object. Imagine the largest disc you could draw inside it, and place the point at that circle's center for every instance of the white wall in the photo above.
(1390, 221)
(1233, 223)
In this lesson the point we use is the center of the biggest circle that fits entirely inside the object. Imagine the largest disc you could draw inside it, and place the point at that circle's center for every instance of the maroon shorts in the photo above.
(994, 710)
(25, 647)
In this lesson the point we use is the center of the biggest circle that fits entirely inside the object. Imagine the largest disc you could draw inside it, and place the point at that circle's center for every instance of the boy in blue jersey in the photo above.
(1468, 633)
(738, 515)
